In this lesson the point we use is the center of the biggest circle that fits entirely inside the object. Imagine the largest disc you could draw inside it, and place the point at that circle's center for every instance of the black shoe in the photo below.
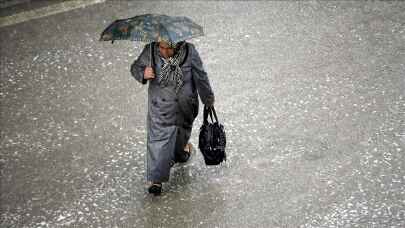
(184, 156)
(188, 153)
(155, 189)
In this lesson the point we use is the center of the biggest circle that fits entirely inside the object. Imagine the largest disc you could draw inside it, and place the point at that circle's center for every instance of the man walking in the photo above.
(176, 78)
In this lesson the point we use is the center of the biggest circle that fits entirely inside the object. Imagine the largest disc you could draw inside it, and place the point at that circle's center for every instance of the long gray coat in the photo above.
(170, 116)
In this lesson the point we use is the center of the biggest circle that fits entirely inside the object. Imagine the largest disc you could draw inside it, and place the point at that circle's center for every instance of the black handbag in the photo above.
(212, 139)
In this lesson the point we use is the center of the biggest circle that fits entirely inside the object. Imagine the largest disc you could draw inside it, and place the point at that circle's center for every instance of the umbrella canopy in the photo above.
(152, 27)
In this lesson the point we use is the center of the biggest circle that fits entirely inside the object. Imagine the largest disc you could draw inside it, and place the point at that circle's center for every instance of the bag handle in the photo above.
(205, 113)
(215, 114)
(209, 111)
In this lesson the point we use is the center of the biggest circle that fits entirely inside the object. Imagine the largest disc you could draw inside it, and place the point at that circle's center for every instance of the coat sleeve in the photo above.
(200, 78)
(139, 65)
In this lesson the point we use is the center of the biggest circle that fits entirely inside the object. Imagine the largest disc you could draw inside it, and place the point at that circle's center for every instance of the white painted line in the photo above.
(46, 11)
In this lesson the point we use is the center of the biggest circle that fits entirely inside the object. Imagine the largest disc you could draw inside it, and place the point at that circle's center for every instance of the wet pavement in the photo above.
(312, 96)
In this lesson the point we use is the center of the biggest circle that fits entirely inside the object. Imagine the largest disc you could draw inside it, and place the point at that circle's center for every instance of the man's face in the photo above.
(165, 50)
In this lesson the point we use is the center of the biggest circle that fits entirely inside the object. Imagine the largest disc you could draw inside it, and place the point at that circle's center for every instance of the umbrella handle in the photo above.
(150, 56)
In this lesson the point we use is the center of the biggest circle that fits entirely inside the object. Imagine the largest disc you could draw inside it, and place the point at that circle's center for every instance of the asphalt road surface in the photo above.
(312, 96)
